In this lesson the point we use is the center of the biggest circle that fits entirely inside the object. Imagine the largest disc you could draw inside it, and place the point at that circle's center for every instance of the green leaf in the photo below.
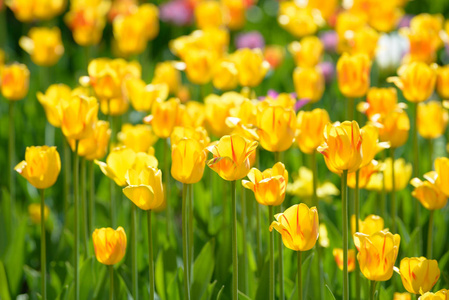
(203, 270)
(243, 296)
(15, 258)
(329, 294)
(220, 292)
(209, 292)
(4, 291)
(165, 271)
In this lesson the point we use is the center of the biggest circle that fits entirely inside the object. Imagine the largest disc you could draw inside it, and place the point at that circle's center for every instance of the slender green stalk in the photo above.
(191, 236)
(344, 208)
(393, 193)
(431, 153)
(91, 196)
(84, 225)
(11, 152)
(112, 193)
(134, 270)
(357, 217)
(150, 257)
(429, 235)
(350, 112)
(258, 239)
(235, 268)
(277, 158)
(111, 278)
(245, 242)
(373, 289)
(416, 172)
(185, 242)
(167, 189)
(3, 29)
(43, 249)
(76, 218)
(383, 196)
(299, 276)
(66, 175)
(272, 286)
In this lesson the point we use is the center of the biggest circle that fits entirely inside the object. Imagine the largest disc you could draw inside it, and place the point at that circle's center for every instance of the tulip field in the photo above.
(224, 149)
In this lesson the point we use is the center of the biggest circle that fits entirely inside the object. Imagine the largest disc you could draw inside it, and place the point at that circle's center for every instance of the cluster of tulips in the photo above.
(229, 128)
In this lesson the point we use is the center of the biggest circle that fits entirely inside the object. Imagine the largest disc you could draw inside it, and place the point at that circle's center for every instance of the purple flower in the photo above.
(301, 103)
(405, 21)
(329, 40)
(328, 70)
(177, 12)
(252, 40)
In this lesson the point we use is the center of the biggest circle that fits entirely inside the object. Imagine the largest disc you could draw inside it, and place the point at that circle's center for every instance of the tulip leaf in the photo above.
(263, 286)
(15, 257)
(209, 292)
(243, 296)
(165, 271)
(220, 292)
(203, 269)
(4, 291)
(329, 294)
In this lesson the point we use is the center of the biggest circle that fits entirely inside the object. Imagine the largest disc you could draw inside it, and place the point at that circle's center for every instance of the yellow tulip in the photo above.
(163, 117)
(310, 128)
(402, 174)
(268, 186)
(145, 187)
(422, 45)
(440, 295)
(31, 10)
(78, 116)
(379, 102)
(431, 24)
(235, 13)
(365, 174)
(142, 95)
(298, 236)
(429, 194)
(385, 15)
(395, 128)
(198, 65)
(251, 66)
(231, 157)
(369, 226)
(364, 40)
(299, 21)
(138, 137)
(285, 100)
(44, 45)
(302, 186)
(342, 147)
(370, 144)
(225, 75)
(402, 296)
(432, 119)
(165, 72)
(109, 245)
(199, 134)
(442, 83)
(419, 274)
(192, 114)
(353, 74)
(323, 239)
(309, 83)
(188, 160)
(338, 256)
(209, 14)
(416, 80)
(276, 127)
(41, 166)
(114, 107)
(441, 174)
(308, 52)
(14, 81)
(121, 159)
(218, 109)
(96, 146)
(34, 211)
(377, 254)
(347, 23)
(55, 94)
(243, 119)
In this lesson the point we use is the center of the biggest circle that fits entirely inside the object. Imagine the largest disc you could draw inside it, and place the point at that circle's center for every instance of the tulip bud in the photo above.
(191, 115)
(419, 274)
(218, 109)
(369, 226)
(370, 144)
(308, 52)
(163, 117)
(310, 129)
(432, 119)
(353, 74)
(251, 66)
(55, 94)
(199, 134)
(429, 194)
(96, 146)
(225, 76)
(14, 81)
(78, 116)
(440, 295)
(395, 128)
(402, 174)
(379, 101)
(109, 245)
(209, 14)
(299, 21)
(44, 45)
(442, 83)
(365, 174)
(145, 187)
(188, 161)
(338, 256)
(142, 95)
(165, 72)
(309, 83)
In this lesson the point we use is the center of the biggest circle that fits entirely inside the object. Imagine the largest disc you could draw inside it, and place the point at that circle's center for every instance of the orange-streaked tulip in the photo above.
(44, 45)
(199, 65)
(419, 274)
(353, 74)
(429, 194)
(347, 23)
(236, 16)
(145, 187)
(199, 134)
(251, 66)
(442, 83)
(188, 160)
(51, 99)
(308, 52)
(310, 127)
(165, 72)
(365, 174)
(432, 119)
(338, 256)
(377, 254)
(370, 225)
(416, 80)
(96, 146)
(142, 95)
(163, 117)
(209, 14)
(394, 128)
(370, 144)
(379, 102)
(78, 116)
(109, 245)
(364, 40)
(309, 83)
(41, 166)
(296, 235)
(268, 186)
(342, 146)
(225, 75)
(440, 295)
(422, 45)
(138, 137)
(431, 24)
(232, 157)
(34, 211)
(14, 81)
(402, 296)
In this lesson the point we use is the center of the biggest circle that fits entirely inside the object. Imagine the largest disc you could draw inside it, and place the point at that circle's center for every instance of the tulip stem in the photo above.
(299, 277)
(373, 289)
(272, 283)
(416, 172)
(111, 146)
(344, 208)
(167, 189)
(357, 217)
(66, 168)
(84, 206)
(258, 239)
(91, 197)
(134, 252)
(393, 193)
(235, 268)
(429, 235)
(277, 158)
(191, 236)
(245, 245)
(150, 257)
(111, 277)
(351, 109)
(11, 144)
(43, 249)
(185, 242)
(431, 153)
(76, 216)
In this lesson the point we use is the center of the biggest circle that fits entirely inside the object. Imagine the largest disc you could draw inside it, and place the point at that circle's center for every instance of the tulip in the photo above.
(225, 75)
(369, 226)
(165, 72)
(395, 128)
(370, 144)
(34, 211)
(402, 296)
(236, 13)
(310, 127)
(14, 81)
(308, 52)
(44, 45)
(114, 107)
(144, 187)
(139, 137)
(109, 245)
(188, 161)
(353, 74)
(302, 186)
(364, 40)
(432, 119)
(440, 176)
(309, 83)
(163, 117)
(379, 102)
(431, 24)
(198, 65)
(191, 115)
(55, 94)
(251, 66)
(402, 174)
(419, 274)
(440, 295)
(297, 20)
(364, 174)
(323, 240)
(96, 146)
(442, 83)
(429, 194)
(377, 254)
(209, 14)
(218, 110)
(142, 96)
(199, 134)
(30, 10)
(422, 45)
(338, 256)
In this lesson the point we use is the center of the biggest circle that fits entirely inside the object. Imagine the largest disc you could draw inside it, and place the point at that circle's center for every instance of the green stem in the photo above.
(134, 253)
(245, 242)
(66, 168)
(416, 172)
(429, 235)
(258, 239)
(76, 217)
(299, 277)
(350, 112)
(344, 208)
(91, 196)
(167, 189)
(272, 282)
(185, 242)
(150, 257)
(313, 166)
(84, 226)
(43, 249)
(383, 200)
(431, 153)
(3, 28)
(11, 152)
(393, 193)
(111, 183)
(281, 262)
(373, 289)
(235, 268)
(357, 217)
(111, 278)
(191, 236)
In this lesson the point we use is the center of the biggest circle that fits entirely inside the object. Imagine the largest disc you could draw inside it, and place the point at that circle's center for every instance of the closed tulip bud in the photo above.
(14, 81)
(109, 245)
(440, 295)
(419, 274)
(138, 137)
(338, 256)
(377, 254)
(165, 72)
(188, 161)
(370, 144)
(142, 95)
(55, 94)
(353, 74)
(429, 194)
(276, 127)
(309, 83)
(199, 134)
(416, 80)
(163, 117)
(395, 128)
(365, 174)
(145, 187)
(218, 109)
(121, 159)
(41, 166)
(251, 66)
(308, 52)
(342, 146)
(78, 117)
(231, 157)
(96, 146)
(442, 83)
(268, 186)
(44, 45)
(310, 127)
(432, 119)
(296, 236)
(369, 226)
(34, 211)
(225, 76)
(299, 21)
(379, 102)
(402, 296)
